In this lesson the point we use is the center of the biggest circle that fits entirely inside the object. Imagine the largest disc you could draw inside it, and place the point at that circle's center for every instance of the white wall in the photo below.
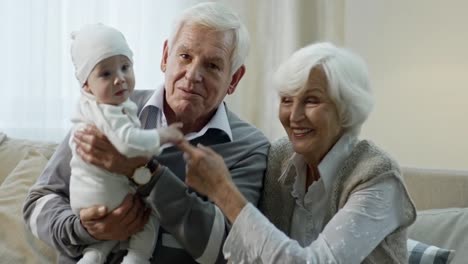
(417, 53)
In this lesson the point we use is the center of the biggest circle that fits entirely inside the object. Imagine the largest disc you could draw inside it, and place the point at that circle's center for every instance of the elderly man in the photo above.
(202, 62)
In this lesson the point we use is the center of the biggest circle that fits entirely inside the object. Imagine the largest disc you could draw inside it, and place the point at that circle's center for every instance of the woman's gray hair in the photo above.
(347, 79)
(218, 17)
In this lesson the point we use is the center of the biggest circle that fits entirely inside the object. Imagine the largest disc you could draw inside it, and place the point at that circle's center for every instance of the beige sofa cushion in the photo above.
(446, 228)
(17, 244)
(431, 189)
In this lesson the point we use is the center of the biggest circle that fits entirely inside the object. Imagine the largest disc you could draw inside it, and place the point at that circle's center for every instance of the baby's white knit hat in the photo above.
(94, 43)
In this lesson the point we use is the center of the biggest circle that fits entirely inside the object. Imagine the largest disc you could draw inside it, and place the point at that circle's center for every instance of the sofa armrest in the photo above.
(432, 189)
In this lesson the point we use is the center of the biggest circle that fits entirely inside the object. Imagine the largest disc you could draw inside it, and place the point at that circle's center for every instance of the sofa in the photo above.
(441, 198)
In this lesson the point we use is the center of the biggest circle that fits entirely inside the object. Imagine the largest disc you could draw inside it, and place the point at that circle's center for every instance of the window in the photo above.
(38, 87)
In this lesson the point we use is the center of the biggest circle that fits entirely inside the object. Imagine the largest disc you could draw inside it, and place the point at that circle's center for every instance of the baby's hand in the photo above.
(171, 134)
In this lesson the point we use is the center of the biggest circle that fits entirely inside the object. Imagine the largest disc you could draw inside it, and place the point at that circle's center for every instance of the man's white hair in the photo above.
(220, 18)
(347, 80)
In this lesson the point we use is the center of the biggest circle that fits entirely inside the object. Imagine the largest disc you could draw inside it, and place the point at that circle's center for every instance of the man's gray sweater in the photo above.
(190, 225)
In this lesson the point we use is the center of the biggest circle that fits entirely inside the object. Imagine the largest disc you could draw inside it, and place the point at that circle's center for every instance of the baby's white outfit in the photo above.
(90, 185)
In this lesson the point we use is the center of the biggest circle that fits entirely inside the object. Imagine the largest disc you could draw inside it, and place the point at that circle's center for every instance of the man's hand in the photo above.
(94, 147)
(121, 223)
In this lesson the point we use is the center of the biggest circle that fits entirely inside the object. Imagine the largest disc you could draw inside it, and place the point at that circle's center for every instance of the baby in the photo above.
(103, 67)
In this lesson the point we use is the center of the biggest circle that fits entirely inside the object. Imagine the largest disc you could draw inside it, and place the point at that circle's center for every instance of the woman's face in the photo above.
(310, 118)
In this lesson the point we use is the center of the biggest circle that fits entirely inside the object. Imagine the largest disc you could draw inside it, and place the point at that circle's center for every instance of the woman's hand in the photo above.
(121, 223)
(94, 147)
(206, 170)
(207, 173)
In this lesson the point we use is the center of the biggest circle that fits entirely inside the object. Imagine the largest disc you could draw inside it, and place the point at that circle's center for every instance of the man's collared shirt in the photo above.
(153, 113)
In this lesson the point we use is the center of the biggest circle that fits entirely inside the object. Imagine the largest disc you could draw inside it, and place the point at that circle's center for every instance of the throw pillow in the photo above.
(446, 228)
(420, 253)
(13, 150)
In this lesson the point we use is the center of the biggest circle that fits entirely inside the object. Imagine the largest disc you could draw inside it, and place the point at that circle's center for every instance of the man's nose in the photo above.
(194, 72)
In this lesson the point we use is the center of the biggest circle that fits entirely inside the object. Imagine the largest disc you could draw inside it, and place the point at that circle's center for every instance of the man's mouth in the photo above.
(189, 92)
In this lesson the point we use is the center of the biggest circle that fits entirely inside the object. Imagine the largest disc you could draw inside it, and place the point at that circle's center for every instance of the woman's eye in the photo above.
(285, 100)
(184, 56)
(125, 67)
(312, 100)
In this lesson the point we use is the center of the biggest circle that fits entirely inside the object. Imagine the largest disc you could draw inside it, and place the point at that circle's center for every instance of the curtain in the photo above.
(277, 29)
(39, 90)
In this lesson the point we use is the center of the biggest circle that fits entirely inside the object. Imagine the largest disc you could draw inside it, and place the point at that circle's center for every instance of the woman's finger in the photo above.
(186, 147)
(206, 149)
(186, 157)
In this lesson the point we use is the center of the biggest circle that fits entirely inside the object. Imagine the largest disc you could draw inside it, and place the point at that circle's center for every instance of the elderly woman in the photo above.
(330, 197)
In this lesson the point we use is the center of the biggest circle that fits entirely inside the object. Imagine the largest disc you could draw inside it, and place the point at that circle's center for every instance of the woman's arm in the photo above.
(366, 219)
(208, 174)
(349, 237)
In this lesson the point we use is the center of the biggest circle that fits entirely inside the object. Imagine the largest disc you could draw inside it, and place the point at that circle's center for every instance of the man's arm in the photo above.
(47, 211)
(198, 225)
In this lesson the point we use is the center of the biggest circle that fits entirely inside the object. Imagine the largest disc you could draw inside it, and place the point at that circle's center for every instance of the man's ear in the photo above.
(164, 56)
(236, 77)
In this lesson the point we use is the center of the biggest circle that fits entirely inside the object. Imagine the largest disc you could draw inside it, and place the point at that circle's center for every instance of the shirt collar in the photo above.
(156, 99)
(331, 163)
(333, 160)
(218, 121)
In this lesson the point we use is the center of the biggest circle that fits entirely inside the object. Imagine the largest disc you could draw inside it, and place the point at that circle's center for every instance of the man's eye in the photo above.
(213, 66)
(184, 56)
